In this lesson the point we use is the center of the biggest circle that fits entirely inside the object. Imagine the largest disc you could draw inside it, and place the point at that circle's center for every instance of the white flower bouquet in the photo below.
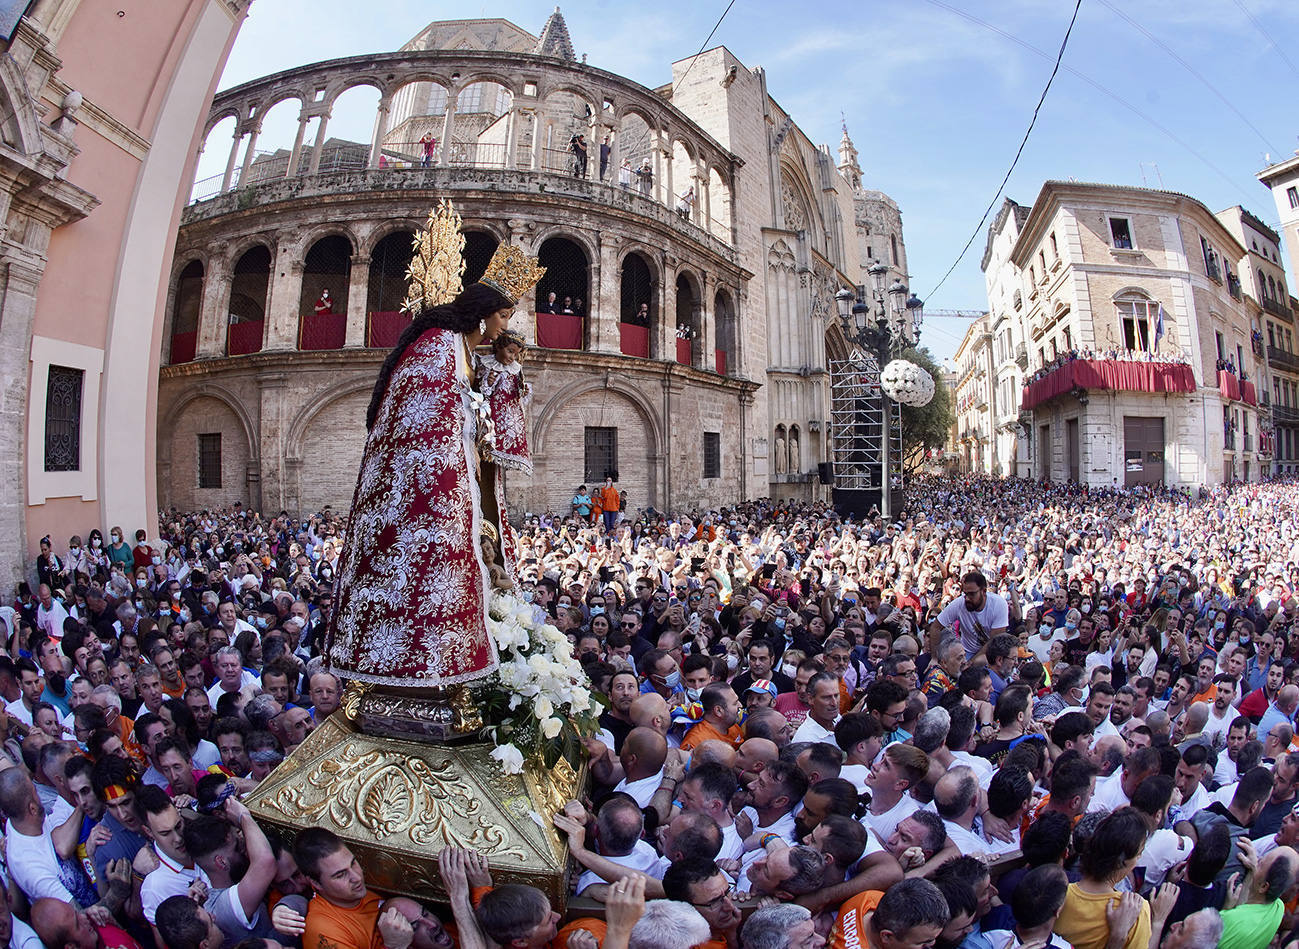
(541, 702)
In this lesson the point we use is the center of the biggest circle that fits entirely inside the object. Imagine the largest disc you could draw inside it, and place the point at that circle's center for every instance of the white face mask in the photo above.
(789, 670)
(732, 662)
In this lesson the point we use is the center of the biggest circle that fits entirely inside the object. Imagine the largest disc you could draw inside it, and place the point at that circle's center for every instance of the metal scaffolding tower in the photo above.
(857, 412)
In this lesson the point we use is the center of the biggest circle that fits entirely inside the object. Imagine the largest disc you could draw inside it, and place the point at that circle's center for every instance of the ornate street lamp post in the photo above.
(883, 324)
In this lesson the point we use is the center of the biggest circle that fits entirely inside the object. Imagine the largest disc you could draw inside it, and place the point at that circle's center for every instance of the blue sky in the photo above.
(937, 93)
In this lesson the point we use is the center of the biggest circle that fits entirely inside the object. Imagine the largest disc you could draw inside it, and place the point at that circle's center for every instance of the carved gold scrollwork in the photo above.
(393, 796)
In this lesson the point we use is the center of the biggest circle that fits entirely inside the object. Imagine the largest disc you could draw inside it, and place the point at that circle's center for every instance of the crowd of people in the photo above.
(1025, 715)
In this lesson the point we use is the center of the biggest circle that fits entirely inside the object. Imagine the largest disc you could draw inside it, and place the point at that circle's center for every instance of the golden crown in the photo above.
(434, 274)
(512, 273)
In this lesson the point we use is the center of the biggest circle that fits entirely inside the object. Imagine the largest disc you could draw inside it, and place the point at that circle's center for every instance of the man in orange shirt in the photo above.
(1206, 691)
(721, 717)
(609, 501)
(343, 914)
(910, 913)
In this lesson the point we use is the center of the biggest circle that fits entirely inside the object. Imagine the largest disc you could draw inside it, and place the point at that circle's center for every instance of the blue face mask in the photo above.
(779, 624)
(1069, 625)
(597, 610)
(1045, 629)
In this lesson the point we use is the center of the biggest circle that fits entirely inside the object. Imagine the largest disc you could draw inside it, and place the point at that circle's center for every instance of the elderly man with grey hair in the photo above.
(228, 663)
(669, 924)
(786, 926)
(1203, 928)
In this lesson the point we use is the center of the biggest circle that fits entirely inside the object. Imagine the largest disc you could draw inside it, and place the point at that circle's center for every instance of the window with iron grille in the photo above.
(209, 460)
(601, 454)
(712, 455)
(63, 419)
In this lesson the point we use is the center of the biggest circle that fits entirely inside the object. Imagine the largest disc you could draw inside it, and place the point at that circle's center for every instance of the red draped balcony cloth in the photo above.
(721, 362)
(245, 338)
(322, 331)
(685, 352)
(559, 331)
(1247, 393)
(183, 346)
(1109, 374)
(1228, 385)
(633, 340)
(385, 328)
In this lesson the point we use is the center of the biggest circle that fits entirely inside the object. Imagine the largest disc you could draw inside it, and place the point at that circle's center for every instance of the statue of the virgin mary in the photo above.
(414, 577)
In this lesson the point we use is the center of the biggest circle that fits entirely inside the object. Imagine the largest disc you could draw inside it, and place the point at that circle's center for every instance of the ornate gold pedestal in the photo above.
(397, 803)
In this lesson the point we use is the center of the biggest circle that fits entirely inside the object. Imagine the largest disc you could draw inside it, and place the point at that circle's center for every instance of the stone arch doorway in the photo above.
(387, 285)
(185, 312)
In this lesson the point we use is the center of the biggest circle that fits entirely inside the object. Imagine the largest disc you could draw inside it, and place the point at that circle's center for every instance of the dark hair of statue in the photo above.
(475, 303)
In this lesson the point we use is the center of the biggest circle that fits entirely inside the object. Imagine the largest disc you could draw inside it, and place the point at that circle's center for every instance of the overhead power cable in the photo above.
(978, 228)
(704, 44)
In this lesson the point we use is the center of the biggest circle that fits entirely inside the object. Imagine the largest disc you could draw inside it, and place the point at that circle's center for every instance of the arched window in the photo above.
(479, 248)
(687, 321)
(252, 277)
(326, 273)
(727, 334)
(185, 312)
(562, 296)
(636, 309)
(388, 263)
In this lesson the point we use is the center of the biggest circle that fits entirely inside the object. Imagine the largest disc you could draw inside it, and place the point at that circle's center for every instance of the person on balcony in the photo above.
(686, 203)
(646, 176)
(428, 147)
(577, 144)
(624, 174)
(604, 156)
(567, 308)
(642, 316)
(325, 305)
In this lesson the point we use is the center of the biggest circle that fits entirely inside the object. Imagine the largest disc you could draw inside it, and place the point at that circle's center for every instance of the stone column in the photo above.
(282, 315)
(320, 144)
(448, 127)
(605, 298)
(657, 149)
(512, 138)
(358, 287)
(705, 325)
(663, 332)
(20, 277)
(295, 156)
(234, 157)
(706, 200)
(380, 131)
(536, 140)
(249, 153)
(272, 413)
(214, 313)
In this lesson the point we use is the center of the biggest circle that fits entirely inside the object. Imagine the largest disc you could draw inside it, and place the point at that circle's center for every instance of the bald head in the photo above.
(1275, 875)
(1158, 722)
(651, 711)
(1197, 716)
(768, 723)
(1109, 749)
(1287, 699)
(55, 922)
(643, 753)
(713, 750)
(753, 756)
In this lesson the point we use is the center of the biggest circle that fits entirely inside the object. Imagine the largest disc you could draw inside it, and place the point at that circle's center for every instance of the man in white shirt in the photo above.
(176, 874)
(956, 799)
(231, 674)
(32, 685)
(644, 752)
(40, 852)
(979, 614)
(1221, 712)
(1226, 772)
(823, 710)
(619, 825)
(708, 789)
(1116, 790)
(50, 614)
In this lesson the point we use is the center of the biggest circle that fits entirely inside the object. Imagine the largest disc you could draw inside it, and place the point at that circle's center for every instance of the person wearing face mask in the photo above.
(142, 554)
(119, 552)
(721, 717)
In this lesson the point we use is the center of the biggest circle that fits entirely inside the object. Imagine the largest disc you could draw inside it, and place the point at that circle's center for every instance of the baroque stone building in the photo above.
(701, 274)
(1139, 346)
(102, 109)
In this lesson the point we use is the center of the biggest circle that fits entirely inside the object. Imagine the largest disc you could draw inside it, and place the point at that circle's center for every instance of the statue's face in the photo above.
(497, 322)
